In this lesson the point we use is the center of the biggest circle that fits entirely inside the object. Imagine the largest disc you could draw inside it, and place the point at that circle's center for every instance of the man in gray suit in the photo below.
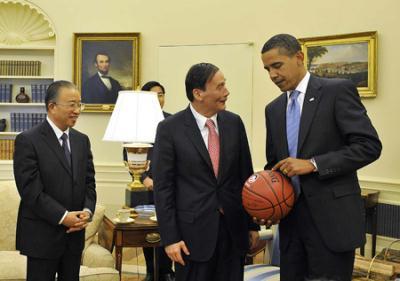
(54, 173)
(319, 135)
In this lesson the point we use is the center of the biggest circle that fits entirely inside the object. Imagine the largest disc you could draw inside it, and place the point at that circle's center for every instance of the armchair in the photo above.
(265, 271)
(97, 262)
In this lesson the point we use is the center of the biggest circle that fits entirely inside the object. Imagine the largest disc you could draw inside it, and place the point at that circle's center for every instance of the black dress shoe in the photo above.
(149, 277)
(167, 277)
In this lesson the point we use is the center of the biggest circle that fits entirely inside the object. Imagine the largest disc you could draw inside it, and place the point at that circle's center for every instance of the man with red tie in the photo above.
(201, 160)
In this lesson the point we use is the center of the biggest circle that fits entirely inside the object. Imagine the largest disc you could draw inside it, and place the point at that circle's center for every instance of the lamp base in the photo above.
(138, 197)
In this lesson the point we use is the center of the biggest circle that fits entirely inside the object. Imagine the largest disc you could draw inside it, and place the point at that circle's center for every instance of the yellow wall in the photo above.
(176, 22)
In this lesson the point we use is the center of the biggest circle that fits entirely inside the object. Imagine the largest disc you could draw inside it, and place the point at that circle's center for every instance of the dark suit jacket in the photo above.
(336, 131)
(187, 194)
(48, 188)
(94, 91)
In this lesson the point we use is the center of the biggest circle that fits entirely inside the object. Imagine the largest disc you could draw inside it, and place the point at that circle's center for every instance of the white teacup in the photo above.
(123, 215)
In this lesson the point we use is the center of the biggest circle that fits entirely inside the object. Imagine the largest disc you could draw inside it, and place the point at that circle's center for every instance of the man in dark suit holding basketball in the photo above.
(54, 173)
(201, 160)
(319, 135)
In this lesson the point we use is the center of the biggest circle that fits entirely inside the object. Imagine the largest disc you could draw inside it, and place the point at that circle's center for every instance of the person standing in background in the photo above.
(54, 174)
(165, 264)
(319, 135)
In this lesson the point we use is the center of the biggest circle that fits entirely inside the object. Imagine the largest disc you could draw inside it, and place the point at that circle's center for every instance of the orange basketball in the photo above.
(268, 195)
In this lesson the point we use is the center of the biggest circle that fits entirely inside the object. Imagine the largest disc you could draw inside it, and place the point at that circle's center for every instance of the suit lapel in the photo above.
(194, 135)
(224, 137)
(100, 82)
(280, 122)
(310, 104)
(75, 151)
(51, 139)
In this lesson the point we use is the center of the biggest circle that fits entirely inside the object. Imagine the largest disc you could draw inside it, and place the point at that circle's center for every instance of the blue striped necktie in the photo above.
(292, 132)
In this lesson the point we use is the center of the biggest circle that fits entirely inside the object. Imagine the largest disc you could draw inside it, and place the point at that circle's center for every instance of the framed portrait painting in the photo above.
(104, 64)
(351, 56)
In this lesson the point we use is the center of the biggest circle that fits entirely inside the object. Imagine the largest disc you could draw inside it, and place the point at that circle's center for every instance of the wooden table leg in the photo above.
(155, 263)
(374, 223)
(118, 263)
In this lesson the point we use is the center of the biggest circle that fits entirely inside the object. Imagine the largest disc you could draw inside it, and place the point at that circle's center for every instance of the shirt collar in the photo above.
(201, 120)
(57, 130)
(102, 75)
(302, 86)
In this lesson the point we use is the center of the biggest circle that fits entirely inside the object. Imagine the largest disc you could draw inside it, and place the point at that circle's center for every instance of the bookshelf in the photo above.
(27, 59)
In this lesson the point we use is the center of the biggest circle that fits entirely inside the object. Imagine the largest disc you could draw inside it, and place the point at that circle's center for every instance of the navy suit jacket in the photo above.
(94, 91)
(336, 131)
(48, 187)
(187, 193)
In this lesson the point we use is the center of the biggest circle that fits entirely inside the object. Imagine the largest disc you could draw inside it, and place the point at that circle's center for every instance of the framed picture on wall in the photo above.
(351, 56)
(104, 64)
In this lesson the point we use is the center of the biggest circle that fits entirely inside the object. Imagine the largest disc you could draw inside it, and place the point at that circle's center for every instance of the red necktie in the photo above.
(213, 145)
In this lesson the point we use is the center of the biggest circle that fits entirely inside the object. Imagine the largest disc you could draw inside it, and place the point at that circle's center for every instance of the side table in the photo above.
(371, 207)
(141, 233)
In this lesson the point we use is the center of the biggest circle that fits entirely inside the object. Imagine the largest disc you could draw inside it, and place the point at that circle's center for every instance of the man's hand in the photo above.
(76, 221)
(148, 183)
(254, 237)
(267, 223)
(294, 167)
(174, 252)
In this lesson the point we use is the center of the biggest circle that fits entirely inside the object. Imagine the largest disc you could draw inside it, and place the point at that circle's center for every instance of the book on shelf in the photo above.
(22, 121)
(6, 149)
(38, 92)
(5, 93)
(20, 68)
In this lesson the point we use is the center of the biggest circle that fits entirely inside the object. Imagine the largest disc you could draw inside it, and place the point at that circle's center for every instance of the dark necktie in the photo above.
(292, 132)
(213, 145)
(65, 147)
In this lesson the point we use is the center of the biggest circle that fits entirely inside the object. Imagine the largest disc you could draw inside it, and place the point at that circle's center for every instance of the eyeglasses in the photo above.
(72, 105)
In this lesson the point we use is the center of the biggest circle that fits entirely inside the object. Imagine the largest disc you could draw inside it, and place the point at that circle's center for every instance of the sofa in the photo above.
(97, 262)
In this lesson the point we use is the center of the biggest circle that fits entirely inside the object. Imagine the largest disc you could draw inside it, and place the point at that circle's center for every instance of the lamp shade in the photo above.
(135, 118)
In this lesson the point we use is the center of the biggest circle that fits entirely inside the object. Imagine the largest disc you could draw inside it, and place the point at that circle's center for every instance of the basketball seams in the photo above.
(257, 194)
(278, 202)
(275, 199)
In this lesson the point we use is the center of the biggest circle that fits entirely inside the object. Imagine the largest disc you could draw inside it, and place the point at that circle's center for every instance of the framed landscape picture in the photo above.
(104, 64)
(350, 56)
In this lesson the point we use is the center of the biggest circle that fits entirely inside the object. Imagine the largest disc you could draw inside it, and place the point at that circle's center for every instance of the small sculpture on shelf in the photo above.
(3, 125)
(22, 97)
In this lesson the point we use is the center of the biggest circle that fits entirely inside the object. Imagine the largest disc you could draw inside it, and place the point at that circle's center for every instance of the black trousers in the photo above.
(226, 264)
(67, 268)
(307, 257)
(164, 262)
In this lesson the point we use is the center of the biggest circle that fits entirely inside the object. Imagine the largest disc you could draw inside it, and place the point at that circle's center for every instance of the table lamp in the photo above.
(134, 122)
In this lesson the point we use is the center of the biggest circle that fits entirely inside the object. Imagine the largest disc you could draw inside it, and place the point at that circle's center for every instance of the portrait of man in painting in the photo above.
(107, 68)
(348, 61)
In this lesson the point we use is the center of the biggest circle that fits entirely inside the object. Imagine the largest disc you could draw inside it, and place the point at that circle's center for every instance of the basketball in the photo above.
(268, 195)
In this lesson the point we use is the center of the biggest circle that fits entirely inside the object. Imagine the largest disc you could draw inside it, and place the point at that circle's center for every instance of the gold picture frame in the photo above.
(104, 64)
(352, 56)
